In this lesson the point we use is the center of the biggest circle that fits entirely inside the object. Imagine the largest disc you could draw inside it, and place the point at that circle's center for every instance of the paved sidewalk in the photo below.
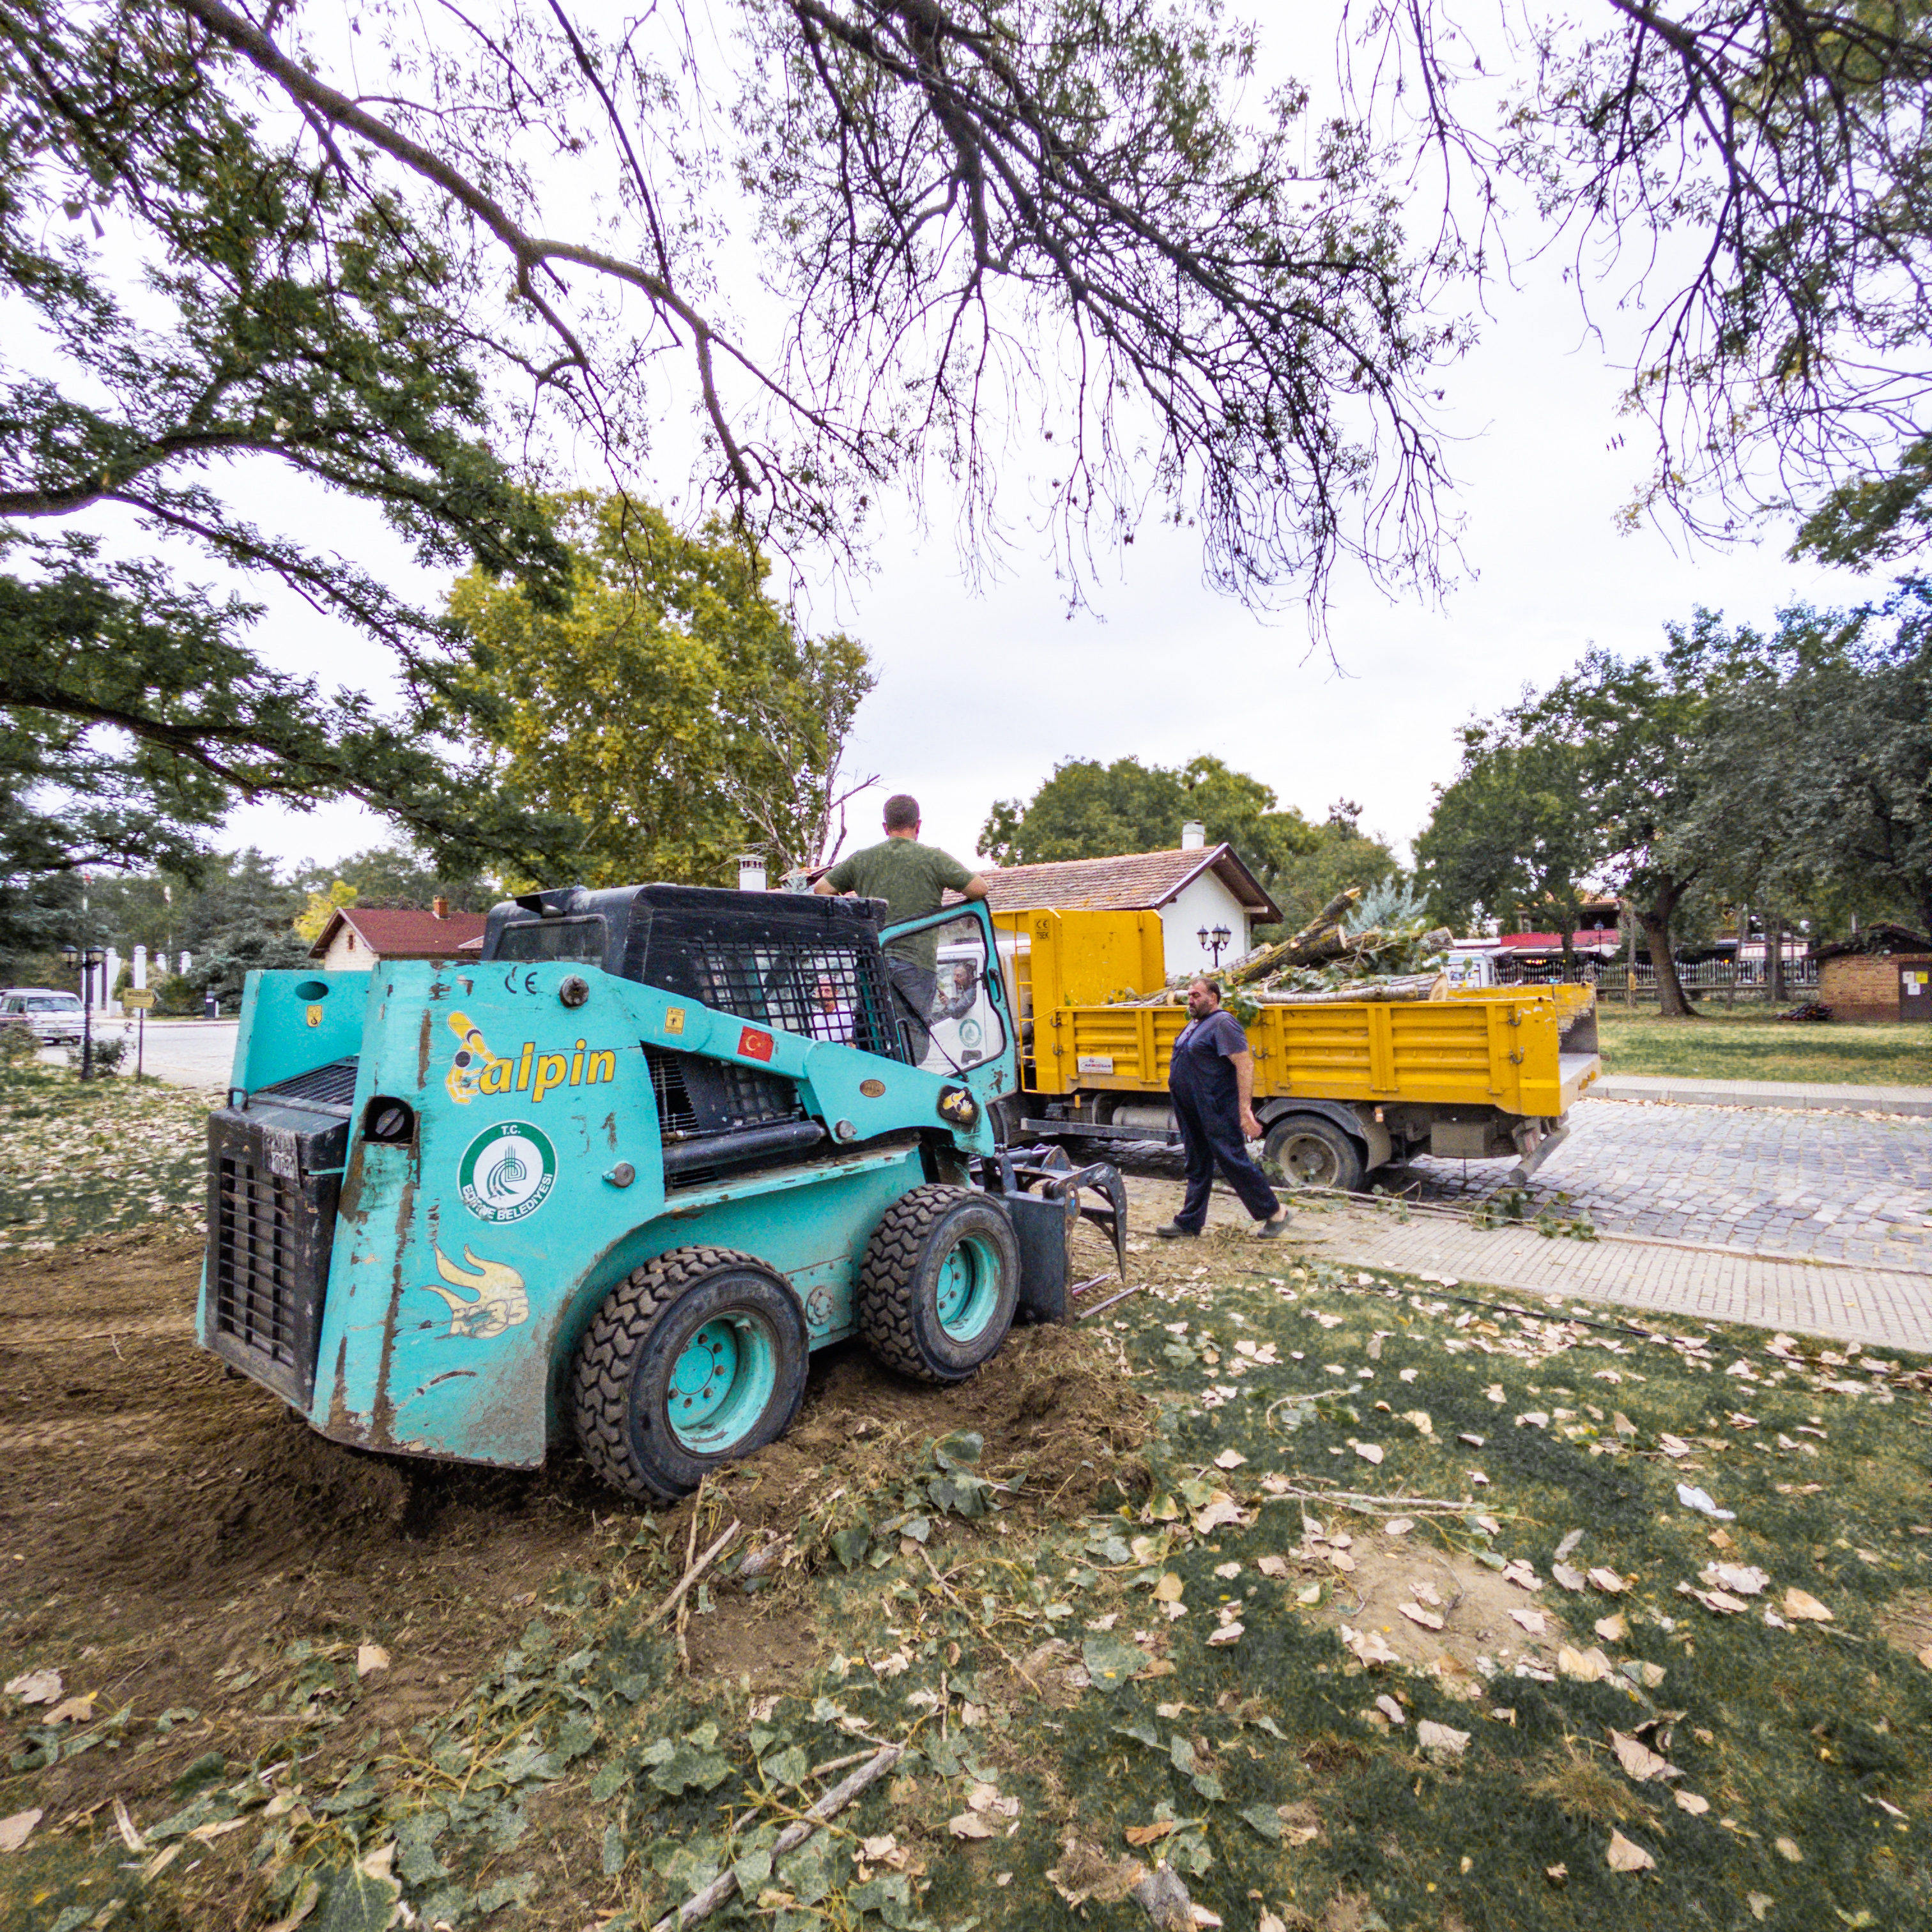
(1799, 1096)
(1828, 1186)
(1888, 1308)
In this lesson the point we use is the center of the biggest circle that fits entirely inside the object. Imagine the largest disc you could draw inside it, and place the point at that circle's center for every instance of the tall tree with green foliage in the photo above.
(1815, 781)
(673, 709)
(1511, 835)
(399, 875)
(1635, 739)
(208, 292)
(1089, 810)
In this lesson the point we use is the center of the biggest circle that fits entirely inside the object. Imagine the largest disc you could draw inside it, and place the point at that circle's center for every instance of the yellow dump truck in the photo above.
(1342, 1087)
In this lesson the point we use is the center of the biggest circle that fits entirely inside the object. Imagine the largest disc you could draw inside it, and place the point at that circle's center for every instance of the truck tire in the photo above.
(696, 1359)
(1312, 1152)
(939, 1283)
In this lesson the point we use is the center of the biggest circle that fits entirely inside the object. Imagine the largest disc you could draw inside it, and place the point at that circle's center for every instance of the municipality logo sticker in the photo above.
(507, 1172)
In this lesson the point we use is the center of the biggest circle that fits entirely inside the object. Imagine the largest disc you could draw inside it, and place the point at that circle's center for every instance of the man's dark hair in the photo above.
(1213, 985)
(902, 812)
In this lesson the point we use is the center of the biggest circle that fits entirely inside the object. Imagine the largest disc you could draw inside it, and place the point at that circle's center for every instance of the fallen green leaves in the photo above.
(81, 1159)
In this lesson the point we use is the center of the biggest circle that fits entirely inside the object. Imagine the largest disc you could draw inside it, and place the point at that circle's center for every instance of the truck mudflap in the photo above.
(1042, 1192)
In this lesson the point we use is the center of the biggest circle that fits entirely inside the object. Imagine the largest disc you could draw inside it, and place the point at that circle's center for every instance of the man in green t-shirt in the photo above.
(912, 879)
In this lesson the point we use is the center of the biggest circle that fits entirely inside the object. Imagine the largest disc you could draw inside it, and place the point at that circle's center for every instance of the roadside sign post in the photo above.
(140, 1002)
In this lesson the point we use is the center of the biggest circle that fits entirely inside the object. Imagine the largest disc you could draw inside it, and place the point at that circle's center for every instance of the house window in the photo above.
(352, 942)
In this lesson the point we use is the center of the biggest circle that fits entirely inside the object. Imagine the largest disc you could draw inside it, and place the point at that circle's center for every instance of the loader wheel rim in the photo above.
(1310, 1160)
(967, 1293)
(721, 1383)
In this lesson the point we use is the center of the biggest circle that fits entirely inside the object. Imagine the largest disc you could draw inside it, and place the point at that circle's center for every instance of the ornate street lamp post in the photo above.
(1213, 941)
(87, 957)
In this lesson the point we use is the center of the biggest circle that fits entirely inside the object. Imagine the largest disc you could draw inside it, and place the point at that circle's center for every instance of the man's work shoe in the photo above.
(1174, 1232)
(1272, 1231)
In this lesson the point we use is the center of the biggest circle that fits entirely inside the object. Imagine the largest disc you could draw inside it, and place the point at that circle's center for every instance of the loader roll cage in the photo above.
(807, 964)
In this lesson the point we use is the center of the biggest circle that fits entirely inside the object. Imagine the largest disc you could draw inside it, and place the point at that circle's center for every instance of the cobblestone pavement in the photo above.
(1839, 1187)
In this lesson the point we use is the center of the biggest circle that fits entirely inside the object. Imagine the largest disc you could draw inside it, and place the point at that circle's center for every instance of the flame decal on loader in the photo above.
(500, 1303)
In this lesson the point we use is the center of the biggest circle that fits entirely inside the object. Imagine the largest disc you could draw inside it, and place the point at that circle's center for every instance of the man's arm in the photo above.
(824, 886)
(975, 888)
(1244, 1064)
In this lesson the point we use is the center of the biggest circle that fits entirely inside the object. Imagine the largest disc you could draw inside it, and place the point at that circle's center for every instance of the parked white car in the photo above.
(53, 1016)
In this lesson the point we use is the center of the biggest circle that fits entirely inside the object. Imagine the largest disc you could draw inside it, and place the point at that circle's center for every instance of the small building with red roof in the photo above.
(357, 937)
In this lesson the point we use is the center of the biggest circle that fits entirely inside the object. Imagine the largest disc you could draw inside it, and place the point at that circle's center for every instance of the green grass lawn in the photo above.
(1722, 1045)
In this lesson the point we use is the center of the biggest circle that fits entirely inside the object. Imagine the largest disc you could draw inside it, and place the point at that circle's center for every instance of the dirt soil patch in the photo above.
(168, 1532)
(1439, 1610)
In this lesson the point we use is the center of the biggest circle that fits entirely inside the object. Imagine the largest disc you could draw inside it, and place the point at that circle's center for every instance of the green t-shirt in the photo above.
(910, 878)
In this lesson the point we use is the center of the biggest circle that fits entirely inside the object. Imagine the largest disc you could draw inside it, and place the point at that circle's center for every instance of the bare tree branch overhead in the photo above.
(878, 241)
(1753, 178)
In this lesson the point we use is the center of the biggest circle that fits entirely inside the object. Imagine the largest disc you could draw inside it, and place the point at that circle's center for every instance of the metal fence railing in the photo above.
(1731, 980)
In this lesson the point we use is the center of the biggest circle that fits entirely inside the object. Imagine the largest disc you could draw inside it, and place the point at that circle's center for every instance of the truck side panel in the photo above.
(1498, 1051)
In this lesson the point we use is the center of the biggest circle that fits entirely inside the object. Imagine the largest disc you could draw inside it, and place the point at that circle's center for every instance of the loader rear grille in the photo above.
(700, 1099)
(274, 1171)
(332, 1086)
(675, 1116)
(253, 1283)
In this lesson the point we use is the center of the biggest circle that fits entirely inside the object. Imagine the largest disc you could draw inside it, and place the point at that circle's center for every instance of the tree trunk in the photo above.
(1673, 1003)
(1773, 955)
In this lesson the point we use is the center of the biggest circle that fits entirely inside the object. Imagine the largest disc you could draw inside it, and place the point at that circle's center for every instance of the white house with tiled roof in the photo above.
(357, 937)
(1196, 888)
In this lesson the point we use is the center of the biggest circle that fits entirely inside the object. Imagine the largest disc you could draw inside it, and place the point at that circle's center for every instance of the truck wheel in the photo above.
(697, 1359)
(939, 1283)
(1312, 1152)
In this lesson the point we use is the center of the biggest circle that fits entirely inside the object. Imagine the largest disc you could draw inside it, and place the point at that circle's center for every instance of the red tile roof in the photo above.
(1131, 882)
(404, 933)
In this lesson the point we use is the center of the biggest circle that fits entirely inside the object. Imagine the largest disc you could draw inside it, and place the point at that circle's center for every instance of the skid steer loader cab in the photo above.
(616, 1178)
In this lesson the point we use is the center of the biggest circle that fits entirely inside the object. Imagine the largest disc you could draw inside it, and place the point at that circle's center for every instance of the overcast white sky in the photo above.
(979, 694)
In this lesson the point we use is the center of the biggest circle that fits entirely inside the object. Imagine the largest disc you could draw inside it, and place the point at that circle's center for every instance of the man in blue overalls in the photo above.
(1211, 1082)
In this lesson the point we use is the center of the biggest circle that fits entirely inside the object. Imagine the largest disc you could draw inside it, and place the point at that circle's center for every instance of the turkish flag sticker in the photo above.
(754, 1045)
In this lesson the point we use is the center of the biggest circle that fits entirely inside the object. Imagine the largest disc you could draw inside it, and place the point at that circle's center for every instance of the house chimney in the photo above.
(440, 907)
(1193, 836)
(751, 871)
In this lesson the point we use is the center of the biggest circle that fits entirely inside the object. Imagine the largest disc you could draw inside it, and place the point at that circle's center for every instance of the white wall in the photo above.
(1207, 902)
(347, 954)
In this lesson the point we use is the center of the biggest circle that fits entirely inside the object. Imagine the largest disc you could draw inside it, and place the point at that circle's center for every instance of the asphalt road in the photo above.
(184, 1053)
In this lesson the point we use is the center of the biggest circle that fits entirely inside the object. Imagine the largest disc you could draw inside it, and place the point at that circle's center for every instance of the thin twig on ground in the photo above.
(693, 1570)
(704, 1904)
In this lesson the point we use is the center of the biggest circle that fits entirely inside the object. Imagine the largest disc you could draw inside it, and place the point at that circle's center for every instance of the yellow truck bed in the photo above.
(1495, 1048)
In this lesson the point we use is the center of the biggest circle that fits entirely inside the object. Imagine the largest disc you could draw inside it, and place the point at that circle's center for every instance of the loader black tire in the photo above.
(689, 1310)
(1312, 1152)
(939, 1283)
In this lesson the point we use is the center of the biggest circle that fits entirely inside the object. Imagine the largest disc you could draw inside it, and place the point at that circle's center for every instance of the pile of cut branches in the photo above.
(1326, 961)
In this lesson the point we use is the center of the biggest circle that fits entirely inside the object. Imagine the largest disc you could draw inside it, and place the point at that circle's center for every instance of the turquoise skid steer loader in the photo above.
(617, 1177)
